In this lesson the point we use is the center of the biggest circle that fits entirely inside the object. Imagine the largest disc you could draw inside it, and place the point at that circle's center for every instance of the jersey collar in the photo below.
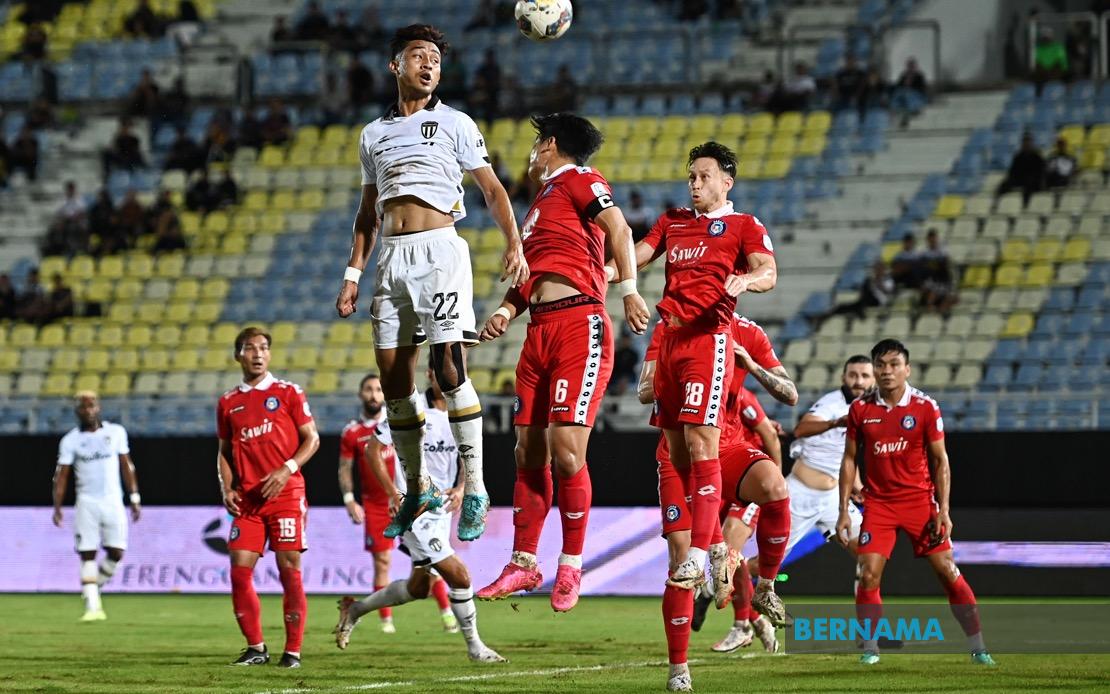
(392, 111)
(266, 382)
(901, 403)
(719, 212)
(558, 171)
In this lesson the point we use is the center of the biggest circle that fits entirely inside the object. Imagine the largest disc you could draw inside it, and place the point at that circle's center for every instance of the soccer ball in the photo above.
(543, 20)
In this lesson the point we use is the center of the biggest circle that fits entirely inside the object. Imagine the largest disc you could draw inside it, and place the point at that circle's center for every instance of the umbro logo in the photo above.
(707, 490)
(574, 515)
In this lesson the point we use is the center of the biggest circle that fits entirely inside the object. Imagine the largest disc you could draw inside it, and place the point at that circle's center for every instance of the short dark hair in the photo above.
(371, 376)
(247, 333)
(856, 359)
(887, 346)
(574, 136)
(725, 157)
(417, 32)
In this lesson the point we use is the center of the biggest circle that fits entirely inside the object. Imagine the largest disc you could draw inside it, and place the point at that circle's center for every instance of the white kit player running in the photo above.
(428, 542)
(98, 453)
(413, 159)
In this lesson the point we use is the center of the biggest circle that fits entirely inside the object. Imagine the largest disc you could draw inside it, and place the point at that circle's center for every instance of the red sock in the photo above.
(869, 604)
(742, 593)
(706, 507)
(678, 610)
(964, 608)
(439, 590)
(771, 534)
(531, 502)
(295, 607)
(718, 535)
(575, 493)
(248, 611)
(385, 612)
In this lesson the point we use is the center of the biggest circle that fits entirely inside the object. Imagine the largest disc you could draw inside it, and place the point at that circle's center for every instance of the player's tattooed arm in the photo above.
(776, 381)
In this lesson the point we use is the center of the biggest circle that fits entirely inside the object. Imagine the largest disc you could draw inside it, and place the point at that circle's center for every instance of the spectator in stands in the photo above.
(485, 93)
(7, 297)
(730, 9)
(167, 233)
(637, 216)
(68, 233)
(909, 96)
(360, 85)
(371, 30)
(626, 361)
(25, 153)
(40, 115)
(31, 304)
(224, 144)
(280, 32)
(334, 104)
(60, 299)
(689, 10)
(187, 11)
(227, 190)
(564, 91)
(874, 93)
(40, 11)
(5, 163)
(314, 25)
(342, 36)
(162, 204)
(143, 22)
(905, 267)
(766, 88)
(175, 103)
(102, 218)
(848, 85)
(1050, 58)
(938, 287)
(1081, 51)
(508, 388)
(145, 98)
(130, 220)
(1027, 170)
(34, 43)
(485, 15)
(1060, 167)
(199, 197)
(452, 82)
(877, 290)
(276, 126)
(124, 151)
(795, 94)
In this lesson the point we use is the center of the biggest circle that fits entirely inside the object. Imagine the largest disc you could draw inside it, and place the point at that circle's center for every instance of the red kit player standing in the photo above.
(266, 435)
(905, 487)
(567, 356)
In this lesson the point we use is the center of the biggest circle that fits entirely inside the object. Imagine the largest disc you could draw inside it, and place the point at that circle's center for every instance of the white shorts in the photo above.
(811, 508)
(429, 541)
(425, 290)
(99, 523)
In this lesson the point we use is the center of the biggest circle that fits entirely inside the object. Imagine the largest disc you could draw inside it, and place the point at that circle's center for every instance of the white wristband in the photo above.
(352, 274)
(348, 497)
(292, 465)
(502, 311)
(610, 273)
(135, 498)
(627, 287)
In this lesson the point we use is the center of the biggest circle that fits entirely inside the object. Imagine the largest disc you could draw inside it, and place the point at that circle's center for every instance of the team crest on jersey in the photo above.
(673, 513)
(716, 227)
(234, 533)
(272, 404)
(435, 544)
(909, 422)
(864, 537)
(428, 129)
(516, 405)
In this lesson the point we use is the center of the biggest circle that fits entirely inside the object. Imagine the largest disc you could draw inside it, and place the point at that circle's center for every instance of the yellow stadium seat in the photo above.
(334, 357)
(125, 359)
(52, 335)
(703, 127)
(811, 145)
(949, 206)
(154, 359)
(207, 311)
(761, 123)
(83, 334)
(1015, 251)
(750, 168)
(116, 384)
(66, 359)
(1075, 135)
(170, 265)
(789, 122)
(1017, 325)
(341, 333)
(190, 223)
(299, 158)
(306, 136)
(482, 379)
(139, 265)
(258, 200)
(52, 265)
(29, 384)
(1099, 136)
(667, 148)
(111, 335)
(80, 268)
(166, 335)
(818, 122)
(1076, 250)
(1008, 276)
(173, 181)
(1047, 251)
(283, 200)
(245, 223)
(776, 167)
(151, 312)
(362, 358)
(271, 157)
(324, 382)
(95, 359)
(147, 384)
(58, 385)
(638, 148)
(753, 147)
(179, 311)
(187, 289)
(216, 359)
(138, 336)
(223, 335)
(732, 126)
(195, 335)
(977, 277)
(128, 289)
(1039, 275)
(331, 157)
(122, 312)
(9, 360)
(304, 357)
(35, 359)
(233, 244)
(216, 223)
(783, 146)
(23, 336)
(215, 288)
(1093, 158)
(311, 200)
(110, 267)
(284, 332)
(185, 359)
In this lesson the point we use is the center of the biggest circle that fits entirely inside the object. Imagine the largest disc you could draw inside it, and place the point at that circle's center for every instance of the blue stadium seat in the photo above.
(1028, 377)
(996, 378)
(1080, 324)
(1006, 352)
(1052, 324)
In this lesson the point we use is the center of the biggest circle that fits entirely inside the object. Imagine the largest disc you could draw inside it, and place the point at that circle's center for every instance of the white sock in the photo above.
(574, 560)
(107, 570)
(462, 604)
(257, 646)
(465, 414)
(525, 559)
(741, 624)
(697, 554)
(406, 424)
(396, 593)
(679, 669)
(89, 589)
(975, 642)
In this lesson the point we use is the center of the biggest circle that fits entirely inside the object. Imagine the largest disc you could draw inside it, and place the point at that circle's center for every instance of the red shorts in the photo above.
(882, 520)
(565, 365)
(280, 523)
(692, 375)
(377, 517)
(735, 463)
(674, 498)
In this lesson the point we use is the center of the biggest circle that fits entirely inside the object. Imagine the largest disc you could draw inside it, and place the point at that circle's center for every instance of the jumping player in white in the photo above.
(98, 453)
(413, 159)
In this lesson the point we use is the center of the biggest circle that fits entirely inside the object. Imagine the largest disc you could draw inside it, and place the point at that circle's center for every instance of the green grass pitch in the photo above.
(180, 643)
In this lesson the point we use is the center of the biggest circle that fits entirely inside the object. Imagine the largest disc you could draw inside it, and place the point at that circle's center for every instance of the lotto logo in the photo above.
(776, 540)
(574, 515)
(707, 490)
(679, 621)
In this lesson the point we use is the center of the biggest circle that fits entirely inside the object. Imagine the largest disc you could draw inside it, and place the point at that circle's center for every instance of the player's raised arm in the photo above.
(619, 236)
(363, 236)
(775, 380)
(131, 481)
(501, 209)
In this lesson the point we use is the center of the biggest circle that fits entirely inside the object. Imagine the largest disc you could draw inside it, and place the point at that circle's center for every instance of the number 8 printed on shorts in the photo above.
(287, 528)
(694, 393)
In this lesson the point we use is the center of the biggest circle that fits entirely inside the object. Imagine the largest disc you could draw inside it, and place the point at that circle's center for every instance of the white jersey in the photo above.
(94, 456)
(824, 451)
(423, 155)
(441, 454)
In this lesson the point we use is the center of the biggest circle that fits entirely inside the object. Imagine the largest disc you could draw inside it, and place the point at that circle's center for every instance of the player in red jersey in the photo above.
(713, 255)
(567, 357)
(905, 487)
(750, 475)
(266, 435)
(357, 437)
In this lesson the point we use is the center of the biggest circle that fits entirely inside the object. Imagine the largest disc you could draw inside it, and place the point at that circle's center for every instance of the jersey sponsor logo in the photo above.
(239, 408)
(864, 537)
(439, 447)
(689, 410)
(909, 422)
(248, 433)
(673, 513)
(598, 189)
(889, 447)
(685, 255)
(428, 129)
(777, 540)
(234, 533)
(716, 228)
(873, 420)
(272, 403)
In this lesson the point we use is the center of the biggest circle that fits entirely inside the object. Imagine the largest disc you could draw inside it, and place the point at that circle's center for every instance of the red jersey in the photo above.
(261, 422)
(748, 334)
(352, 446)
(559, 232)
(702, 251)
(751, 416)
(894, 440)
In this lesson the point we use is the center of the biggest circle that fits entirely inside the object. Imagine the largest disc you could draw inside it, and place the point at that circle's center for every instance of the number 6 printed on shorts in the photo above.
(561, 390)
